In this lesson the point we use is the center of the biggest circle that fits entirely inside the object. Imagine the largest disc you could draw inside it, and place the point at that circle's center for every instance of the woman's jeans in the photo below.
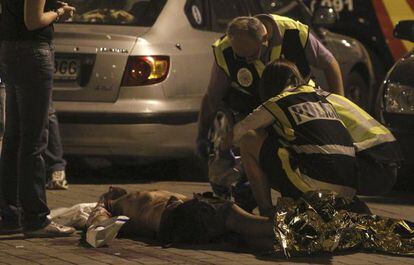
(54, 152)
(28, 74)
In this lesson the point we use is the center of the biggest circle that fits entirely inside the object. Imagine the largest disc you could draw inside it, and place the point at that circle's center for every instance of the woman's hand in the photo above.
(67, 13)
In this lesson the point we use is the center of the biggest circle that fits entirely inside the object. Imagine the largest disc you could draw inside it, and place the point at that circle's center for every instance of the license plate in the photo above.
(66, 69)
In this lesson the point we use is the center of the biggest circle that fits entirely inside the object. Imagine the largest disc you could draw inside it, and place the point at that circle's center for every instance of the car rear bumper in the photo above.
(140, 140)
(141, 128)
(173, 118)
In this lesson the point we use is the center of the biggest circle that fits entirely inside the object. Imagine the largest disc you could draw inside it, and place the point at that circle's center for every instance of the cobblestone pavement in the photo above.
(18, 250)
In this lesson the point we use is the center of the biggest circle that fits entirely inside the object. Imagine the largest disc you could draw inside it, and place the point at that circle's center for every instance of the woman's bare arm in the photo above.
(258, 119)
(34, 17)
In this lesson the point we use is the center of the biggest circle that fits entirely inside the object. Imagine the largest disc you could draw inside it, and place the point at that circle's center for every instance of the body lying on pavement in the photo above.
(175, 218)
(319, 221)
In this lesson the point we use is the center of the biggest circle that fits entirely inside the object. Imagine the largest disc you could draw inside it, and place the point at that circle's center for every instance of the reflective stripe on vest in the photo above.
(365, 131)
(218, 47)
(331, 149)
(374, 141)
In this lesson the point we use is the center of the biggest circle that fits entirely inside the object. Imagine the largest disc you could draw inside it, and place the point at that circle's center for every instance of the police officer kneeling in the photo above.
(240, 58)
(302, 138)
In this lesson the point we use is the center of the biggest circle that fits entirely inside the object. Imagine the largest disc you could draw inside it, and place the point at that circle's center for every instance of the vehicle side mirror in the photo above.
(405, 30)
(324, 17)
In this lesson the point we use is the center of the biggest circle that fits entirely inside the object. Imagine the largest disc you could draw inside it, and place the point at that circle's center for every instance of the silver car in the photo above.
(130, 74)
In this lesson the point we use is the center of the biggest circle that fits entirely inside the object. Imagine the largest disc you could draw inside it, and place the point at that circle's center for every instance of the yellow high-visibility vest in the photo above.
(245, 77)
(308, 126)
(283, 24)
(365, 131)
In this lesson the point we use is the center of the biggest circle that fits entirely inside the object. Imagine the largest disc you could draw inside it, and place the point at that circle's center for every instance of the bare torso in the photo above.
(144, 209)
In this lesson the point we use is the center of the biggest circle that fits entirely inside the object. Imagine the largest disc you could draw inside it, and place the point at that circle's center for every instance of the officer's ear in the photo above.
(265, 40)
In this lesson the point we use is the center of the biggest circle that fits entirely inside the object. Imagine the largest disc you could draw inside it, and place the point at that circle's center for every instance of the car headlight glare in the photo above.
(399, 98)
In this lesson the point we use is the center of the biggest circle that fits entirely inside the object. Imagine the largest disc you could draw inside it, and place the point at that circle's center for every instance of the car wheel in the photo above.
(357, 90)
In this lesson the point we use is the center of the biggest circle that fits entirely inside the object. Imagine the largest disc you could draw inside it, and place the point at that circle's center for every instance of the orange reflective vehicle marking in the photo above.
(389, 12)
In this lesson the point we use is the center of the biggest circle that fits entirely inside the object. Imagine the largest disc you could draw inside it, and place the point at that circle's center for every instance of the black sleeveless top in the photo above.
(1, 24)
(13, 27)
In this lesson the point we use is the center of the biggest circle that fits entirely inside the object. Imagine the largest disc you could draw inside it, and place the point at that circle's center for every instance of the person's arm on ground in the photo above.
(211, 102)
(320, 57)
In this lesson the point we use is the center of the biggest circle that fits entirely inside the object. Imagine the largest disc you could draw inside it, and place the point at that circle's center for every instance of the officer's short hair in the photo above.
(250, 25)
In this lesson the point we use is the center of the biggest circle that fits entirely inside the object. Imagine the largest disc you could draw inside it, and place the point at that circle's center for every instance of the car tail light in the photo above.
(145, 70)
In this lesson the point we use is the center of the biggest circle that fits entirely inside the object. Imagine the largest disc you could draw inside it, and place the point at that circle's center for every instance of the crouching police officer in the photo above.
(241, 55)
(302, 139)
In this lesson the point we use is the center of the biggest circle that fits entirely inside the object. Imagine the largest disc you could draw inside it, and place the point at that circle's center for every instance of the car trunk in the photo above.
(90, 61)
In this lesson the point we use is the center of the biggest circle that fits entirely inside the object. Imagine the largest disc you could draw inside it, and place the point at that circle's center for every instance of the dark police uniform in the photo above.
(309, 147)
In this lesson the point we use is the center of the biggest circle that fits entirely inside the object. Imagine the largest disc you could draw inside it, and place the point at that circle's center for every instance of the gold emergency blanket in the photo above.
(320, 222)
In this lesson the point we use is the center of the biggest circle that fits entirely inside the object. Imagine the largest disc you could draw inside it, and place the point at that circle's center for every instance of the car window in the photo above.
(195, 11)
(223, 11)
(119, 12)
(288, 8)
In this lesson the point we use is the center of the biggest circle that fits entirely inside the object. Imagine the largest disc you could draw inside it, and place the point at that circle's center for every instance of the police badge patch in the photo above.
(245, 77)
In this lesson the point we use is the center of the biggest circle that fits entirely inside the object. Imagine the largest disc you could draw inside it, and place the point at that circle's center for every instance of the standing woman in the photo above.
(28, 64)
